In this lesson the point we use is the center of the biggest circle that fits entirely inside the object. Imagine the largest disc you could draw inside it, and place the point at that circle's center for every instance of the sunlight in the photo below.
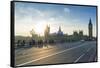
(40, 27)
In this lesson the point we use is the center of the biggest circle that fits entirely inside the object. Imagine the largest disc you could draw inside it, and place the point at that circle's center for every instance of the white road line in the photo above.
(89, 49)
(82, 55)
(79, 58)
(48, 55)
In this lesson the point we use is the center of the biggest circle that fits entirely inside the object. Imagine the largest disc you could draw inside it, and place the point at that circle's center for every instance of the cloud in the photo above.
(28, 16)
(51, 19)
(24, 12)
(66, 10)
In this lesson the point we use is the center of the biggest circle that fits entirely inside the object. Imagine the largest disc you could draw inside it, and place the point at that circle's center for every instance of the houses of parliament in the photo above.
(56, 37)
(60, 36)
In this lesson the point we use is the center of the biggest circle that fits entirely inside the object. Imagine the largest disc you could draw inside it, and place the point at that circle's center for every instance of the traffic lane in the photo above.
(42, 53)
(90, 56)
(47, 55)
(24, 51)
(32, 56)
(65, 57)
(37, 55)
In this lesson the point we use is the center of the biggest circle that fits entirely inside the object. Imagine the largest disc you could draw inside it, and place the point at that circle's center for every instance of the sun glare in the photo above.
(40, 27)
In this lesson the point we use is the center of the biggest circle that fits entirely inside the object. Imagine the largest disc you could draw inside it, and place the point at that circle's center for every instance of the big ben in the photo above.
(90, 29)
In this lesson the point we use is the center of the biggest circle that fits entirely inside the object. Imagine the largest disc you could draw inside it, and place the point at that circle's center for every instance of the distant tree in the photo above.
(46, 32)
(34, 35)
(32, 32)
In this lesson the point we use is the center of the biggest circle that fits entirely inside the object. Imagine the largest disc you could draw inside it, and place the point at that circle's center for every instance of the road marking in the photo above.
(79, 58)
(49, 55)
(89, 49)
(82, 55)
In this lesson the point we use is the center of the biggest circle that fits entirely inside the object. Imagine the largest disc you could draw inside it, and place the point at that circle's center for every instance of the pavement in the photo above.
(76, 52)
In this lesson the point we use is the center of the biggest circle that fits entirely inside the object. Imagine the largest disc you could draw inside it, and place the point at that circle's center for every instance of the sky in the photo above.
(37, 16)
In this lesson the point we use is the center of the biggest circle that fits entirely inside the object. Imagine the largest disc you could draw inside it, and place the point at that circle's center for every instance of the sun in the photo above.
(40, 28)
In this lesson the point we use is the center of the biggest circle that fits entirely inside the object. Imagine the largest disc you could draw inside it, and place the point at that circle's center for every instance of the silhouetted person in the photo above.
(23, 43)
(51, 41)
(18, 43)
(40, 42)
(33, 42)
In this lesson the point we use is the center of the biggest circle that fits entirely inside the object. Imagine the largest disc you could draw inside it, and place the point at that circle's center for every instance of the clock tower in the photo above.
(90, 29)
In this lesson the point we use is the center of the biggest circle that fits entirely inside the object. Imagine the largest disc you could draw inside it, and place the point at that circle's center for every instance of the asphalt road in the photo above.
(57, 53)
